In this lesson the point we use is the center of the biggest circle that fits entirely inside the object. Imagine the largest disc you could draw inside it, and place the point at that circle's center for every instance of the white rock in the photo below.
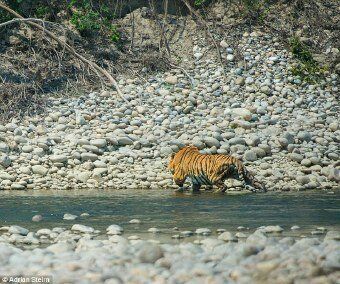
(68, 216)
(114, 230)
(40, 170)
(82, 228)
(18, 230)
(227, 237)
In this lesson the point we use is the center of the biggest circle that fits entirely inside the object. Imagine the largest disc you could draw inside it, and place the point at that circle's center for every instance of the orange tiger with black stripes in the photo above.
(206, 169)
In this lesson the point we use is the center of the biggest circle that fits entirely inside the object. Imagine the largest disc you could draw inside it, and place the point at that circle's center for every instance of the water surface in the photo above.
(164, 209)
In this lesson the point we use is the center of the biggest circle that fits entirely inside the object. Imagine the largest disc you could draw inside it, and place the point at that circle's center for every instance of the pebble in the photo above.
(37, 218)
(70, 217)
(203, 231)
(227, 237)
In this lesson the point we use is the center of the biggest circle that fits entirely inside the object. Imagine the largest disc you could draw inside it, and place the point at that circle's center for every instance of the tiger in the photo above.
(210, 169)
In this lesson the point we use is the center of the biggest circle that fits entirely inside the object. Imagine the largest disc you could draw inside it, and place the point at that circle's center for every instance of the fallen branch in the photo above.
(92, 65)
(192, 81)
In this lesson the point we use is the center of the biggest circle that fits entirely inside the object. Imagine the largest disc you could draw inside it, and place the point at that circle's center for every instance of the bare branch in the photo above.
(95, 67)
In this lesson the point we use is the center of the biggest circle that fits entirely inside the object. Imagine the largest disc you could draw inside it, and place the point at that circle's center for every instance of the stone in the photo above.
(6, 176)
(149, 253)
(250, 156)
(83, 176)
(135, 221)
(227, 237)
(302, 179)
(17, 186)
(37, 218)
(166, 151)
(27, 149)
(18, 230)
(241, 113)
(5, 161)
(273, 229)
(61, 158)
(171, 80)
(211, 142)
(100, 143)
(124, 141)
(89, 157)
(39, 170)
(203, 231)
(154, 230)
(4, 147)
(82, 228)
(114, 230)
(68, 216)
(61, 247)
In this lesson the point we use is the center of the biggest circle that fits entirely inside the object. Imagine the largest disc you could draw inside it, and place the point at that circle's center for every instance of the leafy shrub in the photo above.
(307, 68)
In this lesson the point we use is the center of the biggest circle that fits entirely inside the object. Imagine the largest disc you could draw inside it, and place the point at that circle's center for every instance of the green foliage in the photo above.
(300, 51)
(85, 22)
(88, 18)
(199, 2)
(255, 10)
(114, 33)
(42, 11)
(307, 68)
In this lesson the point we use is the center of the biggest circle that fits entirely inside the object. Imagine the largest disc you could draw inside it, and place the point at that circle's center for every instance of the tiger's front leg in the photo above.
(196, 187)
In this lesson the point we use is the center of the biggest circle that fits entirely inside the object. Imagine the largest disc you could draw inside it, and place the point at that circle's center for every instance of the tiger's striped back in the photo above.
(205, 169)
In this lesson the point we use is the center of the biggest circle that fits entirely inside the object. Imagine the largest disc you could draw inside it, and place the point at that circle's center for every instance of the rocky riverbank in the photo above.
(82, 254)
(285, 130)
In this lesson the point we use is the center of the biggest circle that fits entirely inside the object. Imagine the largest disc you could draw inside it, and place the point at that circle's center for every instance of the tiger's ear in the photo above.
(172, 156)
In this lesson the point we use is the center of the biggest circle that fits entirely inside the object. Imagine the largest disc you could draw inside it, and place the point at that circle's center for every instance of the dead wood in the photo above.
(96, 68)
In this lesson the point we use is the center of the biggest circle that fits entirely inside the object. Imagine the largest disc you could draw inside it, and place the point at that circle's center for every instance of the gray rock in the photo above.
(39, 170)
(124, 141)
(6, 176)
(37, 218)
(211, 142)
(5, 161)
(83, 176)
(273, 229)
(61, 247)
(4, 147)
(82, 228)
(332, 235)
(203, 231)
(68, 216)
(154, 230)
(114, 230)
(227, 237)
(166, 151)
(296, 157)
(100, 143)
(18, 230)
(61, 158)
(237, 141)
(17, 186)
(89, 157)
(27, 149)
(149, 253)
(302, 179)
(250, 155)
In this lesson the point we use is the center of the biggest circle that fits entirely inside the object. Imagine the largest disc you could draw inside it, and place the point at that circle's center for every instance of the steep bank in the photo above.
(285, 130)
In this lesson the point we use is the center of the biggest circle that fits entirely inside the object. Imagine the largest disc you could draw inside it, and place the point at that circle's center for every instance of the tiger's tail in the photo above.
(249, 180)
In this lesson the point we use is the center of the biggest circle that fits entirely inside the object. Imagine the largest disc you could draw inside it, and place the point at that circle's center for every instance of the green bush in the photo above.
(307, 68)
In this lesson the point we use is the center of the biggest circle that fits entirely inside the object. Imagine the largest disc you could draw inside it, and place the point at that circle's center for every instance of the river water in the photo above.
(166, 210)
